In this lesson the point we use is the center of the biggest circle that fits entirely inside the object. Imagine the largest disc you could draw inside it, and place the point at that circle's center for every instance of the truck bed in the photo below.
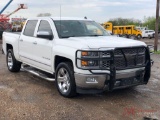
(10, 38)
(14, 32)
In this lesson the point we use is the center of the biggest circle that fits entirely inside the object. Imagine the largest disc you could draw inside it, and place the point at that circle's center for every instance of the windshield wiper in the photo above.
(67, 36)
(81, 36)
(95, 35)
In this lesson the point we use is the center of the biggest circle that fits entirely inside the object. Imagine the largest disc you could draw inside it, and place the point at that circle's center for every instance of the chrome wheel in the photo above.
(63, 80)
(10, 61)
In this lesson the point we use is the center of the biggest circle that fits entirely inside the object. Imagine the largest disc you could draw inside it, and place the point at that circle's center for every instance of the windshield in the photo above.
(79, 28)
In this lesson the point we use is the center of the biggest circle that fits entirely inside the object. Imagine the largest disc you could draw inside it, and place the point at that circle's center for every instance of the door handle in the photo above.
(35, 43)
(21, 40)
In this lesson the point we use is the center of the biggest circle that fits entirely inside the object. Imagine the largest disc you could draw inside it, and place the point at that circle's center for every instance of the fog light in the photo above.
(91, 63)
(91, 80)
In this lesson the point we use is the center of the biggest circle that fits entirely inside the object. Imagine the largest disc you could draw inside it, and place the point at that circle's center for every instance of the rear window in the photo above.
(30, 28)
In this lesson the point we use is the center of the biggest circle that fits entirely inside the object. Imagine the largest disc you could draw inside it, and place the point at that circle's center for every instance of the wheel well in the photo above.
(59, 59)
(9, 47)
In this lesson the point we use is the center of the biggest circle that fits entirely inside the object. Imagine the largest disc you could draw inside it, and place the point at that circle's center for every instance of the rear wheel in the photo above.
(65, 81)
(12, 64)
(153, 35)
(149, 36)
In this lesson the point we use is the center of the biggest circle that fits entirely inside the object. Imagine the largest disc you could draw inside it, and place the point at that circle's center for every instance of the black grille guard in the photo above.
(113, 69)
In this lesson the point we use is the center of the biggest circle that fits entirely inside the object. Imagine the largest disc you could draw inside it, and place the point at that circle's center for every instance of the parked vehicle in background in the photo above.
(17, 24)
(142, 28)
(4, 24)
(127, 31)
(148, 34)
(78, 54)
(108, 26)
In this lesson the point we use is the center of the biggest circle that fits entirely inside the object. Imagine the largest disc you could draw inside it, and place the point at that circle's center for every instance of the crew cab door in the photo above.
(26, 47)
(146, 33)
(43, 46)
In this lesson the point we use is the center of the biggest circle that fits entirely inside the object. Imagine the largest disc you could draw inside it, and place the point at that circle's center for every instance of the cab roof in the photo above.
(70, 18)
(61, 18)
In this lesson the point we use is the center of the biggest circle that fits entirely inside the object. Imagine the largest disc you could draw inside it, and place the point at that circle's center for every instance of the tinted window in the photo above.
(30, 28)
(45, 26)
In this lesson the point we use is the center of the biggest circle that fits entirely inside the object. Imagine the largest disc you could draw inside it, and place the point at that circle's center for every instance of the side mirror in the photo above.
(45, 34)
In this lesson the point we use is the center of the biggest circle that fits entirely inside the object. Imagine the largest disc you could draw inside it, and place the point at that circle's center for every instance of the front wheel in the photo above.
(65, 81)
(139, 37)
(12, 64)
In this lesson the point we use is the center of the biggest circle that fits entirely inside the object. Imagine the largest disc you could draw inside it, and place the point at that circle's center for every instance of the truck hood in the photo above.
(107, 42)
(99, 42)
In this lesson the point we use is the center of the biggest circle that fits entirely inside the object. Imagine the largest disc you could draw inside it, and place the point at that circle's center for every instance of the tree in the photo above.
(124, 21)
(150, 22)
(44, 14)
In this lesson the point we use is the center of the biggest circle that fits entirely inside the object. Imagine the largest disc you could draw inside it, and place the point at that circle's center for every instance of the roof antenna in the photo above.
(85, 17)
(60, 20)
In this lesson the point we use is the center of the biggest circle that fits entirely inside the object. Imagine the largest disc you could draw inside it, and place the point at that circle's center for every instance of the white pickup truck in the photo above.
(78, 54)
(148, 34)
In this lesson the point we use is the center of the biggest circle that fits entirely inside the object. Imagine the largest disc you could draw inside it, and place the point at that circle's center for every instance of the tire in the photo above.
(139, 37)
(149, 37)
(125, 36)
(65, 81)
(132, 37)
(153, 35)
(12, 64)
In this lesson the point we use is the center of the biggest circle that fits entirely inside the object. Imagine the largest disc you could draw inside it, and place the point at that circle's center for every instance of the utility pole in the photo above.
(156, 27)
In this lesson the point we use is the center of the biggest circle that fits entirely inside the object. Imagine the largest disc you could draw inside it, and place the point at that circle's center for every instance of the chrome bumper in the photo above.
(101, 81)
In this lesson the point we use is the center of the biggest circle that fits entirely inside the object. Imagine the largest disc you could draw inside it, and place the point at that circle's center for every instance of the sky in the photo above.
(98, 10)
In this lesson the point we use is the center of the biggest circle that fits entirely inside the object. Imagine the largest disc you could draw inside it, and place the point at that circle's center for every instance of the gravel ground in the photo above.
(26, 97)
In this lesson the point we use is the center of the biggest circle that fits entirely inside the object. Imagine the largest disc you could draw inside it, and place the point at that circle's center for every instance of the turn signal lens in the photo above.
(84, 63)
(84, 53)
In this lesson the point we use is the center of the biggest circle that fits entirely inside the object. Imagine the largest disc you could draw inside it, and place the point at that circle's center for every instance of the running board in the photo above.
(37, 72)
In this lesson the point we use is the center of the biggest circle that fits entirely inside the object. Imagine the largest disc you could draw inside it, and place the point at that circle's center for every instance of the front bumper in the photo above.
(102, 82)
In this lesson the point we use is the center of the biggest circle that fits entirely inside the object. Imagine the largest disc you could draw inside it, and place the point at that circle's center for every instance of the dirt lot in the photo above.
(26, 97)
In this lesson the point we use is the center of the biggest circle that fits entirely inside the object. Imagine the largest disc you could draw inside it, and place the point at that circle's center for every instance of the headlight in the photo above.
(89, 63)
(94, 60)
(89, 54)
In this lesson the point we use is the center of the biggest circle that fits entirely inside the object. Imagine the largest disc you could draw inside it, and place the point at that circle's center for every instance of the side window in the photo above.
(146, 32)
(45, 26)
(30, 28)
